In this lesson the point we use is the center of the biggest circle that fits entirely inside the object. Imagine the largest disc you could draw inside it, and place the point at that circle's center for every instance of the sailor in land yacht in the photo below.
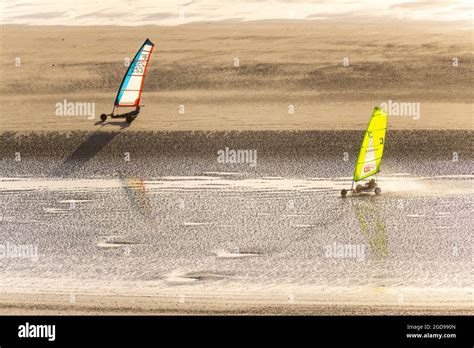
(368, 186)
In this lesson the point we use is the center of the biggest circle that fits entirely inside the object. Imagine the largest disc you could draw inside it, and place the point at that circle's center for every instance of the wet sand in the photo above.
(303, 154)
(224, 244)
(173, 231)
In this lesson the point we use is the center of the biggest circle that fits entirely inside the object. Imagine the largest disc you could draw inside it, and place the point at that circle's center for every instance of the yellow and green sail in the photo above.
(371, 150)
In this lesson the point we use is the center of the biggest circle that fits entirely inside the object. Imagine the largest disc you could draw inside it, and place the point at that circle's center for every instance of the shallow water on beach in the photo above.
(223, 232)
(173, 219)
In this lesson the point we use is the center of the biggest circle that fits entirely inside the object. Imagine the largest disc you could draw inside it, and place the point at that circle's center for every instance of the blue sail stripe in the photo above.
(128, 76)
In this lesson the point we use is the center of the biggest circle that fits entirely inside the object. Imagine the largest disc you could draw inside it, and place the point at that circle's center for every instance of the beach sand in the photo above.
(173, 231)
(280, 64)
(64, 304)
(157, 234)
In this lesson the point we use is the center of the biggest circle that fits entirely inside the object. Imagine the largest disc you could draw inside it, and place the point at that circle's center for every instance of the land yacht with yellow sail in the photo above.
(370, 154)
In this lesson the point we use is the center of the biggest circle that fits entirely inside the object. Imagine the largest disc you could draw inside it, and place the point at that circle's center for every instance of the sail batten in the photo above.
(372, 147)
(130, 89)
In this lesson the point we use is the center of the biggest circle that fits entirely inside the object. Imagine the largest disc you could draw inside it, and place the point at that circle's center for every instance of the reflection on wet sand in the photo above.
(137, 195)
(372, 226)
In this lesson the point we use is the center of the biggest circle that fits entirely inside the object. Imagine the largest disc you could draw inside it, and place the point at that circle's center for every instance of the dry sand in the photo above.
(64, 304)
(298, 63)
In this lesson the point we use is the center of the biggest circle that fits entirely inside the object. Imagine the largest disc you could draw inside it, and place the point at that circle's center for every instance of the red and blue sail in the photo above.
(131, 87)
